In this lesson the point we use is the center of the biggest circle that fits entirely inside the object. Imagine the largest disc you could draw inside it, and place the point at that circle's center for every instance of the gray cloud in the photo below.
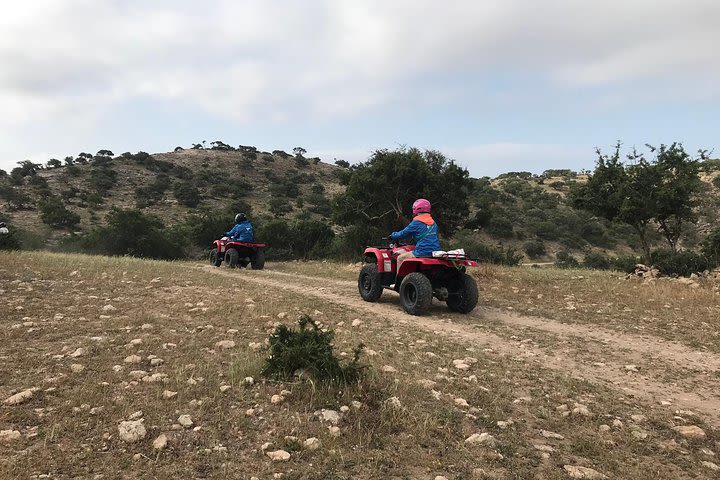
(285, 60)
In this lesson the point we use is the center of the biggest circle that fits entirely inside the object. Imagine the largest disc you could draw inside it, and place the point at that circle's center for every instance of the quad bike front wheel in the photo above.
(369, 283)
(416, 293)
(257, 261)
(231, 258)
(462, 294)
(215, 258)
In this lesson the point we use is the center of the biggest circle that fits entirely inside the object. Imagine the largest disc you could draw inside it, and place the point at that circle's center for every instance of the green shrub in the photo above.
(130, 232)
(564, 259)
(54, 213)
(682, 263)
(500, 227)
(625, 264)
(597, 261)
(716, 181)
(309, 350)
(187, 194)
(535, 248)
(711, 247)
(8, 241)
(102, 178)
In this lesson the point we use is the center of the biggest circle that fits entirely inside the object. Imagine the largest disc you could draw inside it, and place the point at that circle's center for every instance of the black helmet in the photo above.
(2, 225)
(240, 217)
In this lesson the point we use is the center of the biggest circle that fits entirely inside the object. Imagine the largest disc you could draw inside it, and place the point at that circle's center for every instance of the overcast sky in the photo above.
(498, 85)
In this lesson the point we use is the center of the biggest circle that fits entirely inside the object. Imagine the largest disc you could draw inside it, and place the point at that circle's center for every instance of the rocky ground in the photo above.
(121, 368)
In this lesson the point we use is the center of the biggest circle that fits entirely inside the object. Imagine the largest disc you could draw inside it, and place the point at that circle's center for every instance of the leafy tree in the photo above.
(8, 241)
(716, 182)
(54, 163)
(69, 160)
(102, 178)
(379, 192)
(54, 213)
(105, 153)
(130, 232)
(279, 206)
(535, 248)
(711, 247)
(187, 194)
(342, 163)
(16, 198)
(299, 151)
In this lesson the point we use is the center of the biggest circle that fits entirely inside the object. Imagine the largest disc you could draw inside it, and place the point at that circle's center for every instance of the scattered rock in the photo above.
(543, 448)
(224, 344)
(481, 439)
(549, 434)
(21, 397)
(583, 472)
(131, 431)
(357, 322)
(312, 443)
(248, 381)
(393, 402)
(185, 421)
(224, 388)
(276, 399)
(690, 431)
(604, 428)
(710, 465)
(632, 368)
(638, 418)
(334, 431)
(639, 434)
(77, 368)
(388, 369)
(330, 416)
(168, 394)
(132, 359)
(7, 436)
(581, 409)
(278, 456)
(108, 308)
(160, 442)
(502, 425)
(461, 402)
(78, 353)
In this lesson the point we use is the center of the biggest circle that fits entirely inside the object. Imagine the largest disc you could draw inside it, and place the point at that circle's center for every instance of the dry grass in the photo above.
(179, 313)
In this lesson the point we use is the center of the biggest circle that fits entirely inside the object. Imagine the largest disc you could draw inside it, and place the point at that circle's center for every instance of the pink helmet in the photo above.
(421, 206)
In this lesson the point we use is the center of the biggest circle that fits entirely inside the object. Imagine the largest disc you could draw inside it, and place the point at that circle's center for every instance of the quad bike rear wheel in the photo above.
(257, 261)
(416, 293)
(369, 283)
(462, 294)
(231, 258)
(215, 258)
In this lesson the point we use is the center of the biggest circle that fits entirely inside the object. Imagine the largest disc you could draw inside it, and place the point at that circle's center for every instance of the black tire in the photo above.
(369, 283)
(215, 258)
(416, 293)
(231, 258)
(462, 294)
(243, 262)
(257, 261)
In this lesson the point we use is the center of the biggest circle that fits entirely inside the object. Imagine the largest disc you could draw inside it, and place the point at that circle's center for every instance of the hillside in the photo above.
(516, 210)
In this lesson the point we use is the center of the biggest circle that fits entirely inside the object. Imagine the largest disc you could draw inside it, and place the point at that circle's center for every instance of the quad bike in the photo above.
(418, 279)
(237, 254)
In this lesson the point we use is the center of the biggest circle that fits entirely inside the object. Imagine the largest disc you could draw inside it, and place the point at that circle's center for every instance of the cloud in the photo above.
(75, 62)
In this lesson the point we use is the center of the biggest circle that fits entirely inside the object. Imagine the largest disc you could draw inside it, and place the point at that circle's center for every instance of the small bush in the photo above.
(54, 213)
(625, 264)
(716, 181)
(682, 263)
(563, 259)
(597, 261)
(8, 241)
(711, 247)
(187, 194)
(535, 248)
(309, 350)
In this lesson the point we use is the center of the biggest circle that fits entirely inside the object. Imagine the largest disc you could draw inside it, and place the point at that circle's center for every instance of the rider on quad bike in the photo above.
(243, 229)
(423, 230)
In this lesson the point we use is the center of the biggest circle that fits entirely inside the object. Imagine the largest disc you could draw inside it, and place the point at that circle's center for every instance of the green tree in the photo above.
(54, 163)
(187, 194)
(379, 192)
(678, 186)
(54, 213)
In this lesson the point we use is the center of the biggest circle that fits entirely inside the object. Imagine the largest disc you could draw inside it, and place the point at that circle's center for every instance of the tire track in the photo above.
(701, 399)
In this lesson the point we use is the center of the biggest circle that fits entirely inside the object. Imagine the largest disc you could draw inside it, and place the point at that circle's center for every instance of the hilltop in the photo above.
(49, 205)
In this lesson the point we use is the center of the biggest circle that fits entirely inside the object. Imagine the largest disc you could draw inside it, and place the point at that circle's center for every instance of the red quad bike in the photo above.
(237, 254)
(418, 279)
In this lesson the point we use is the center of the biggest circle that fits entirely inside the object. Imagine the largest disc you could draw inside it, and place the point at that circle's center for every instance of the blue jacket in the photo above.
(242, 232)
(424, 233)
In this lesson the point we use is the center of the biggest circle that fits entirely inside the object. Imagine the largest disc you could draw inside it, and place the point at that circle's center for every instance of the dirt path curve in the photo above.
(700, 399)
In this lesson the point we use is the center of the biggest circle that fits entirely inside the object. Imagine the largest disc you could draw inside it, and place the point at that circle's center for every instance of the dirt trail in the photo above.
(617, 348)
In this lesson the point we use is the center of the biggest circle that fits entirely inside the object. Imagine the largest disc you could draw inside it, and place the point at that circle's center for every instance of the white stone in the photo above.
(168, 394)
(248, 381)
(690, 431)
(7, 436)
(480, 439)
(77, 368)
(78, 353)
(331, 416)
(334, 431)
(312, 443)
(575, 471)
(276, 399)
(357, 322)
(393, 402)
(549, 434)
(712, 466)
(131, 431)
(225, 344)
(21, 397)
(185, 421)
(388, 369)
(225, 388)
(278, 456)
(160, 442)
(132, 359)
(461, 402)
(108, 308)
